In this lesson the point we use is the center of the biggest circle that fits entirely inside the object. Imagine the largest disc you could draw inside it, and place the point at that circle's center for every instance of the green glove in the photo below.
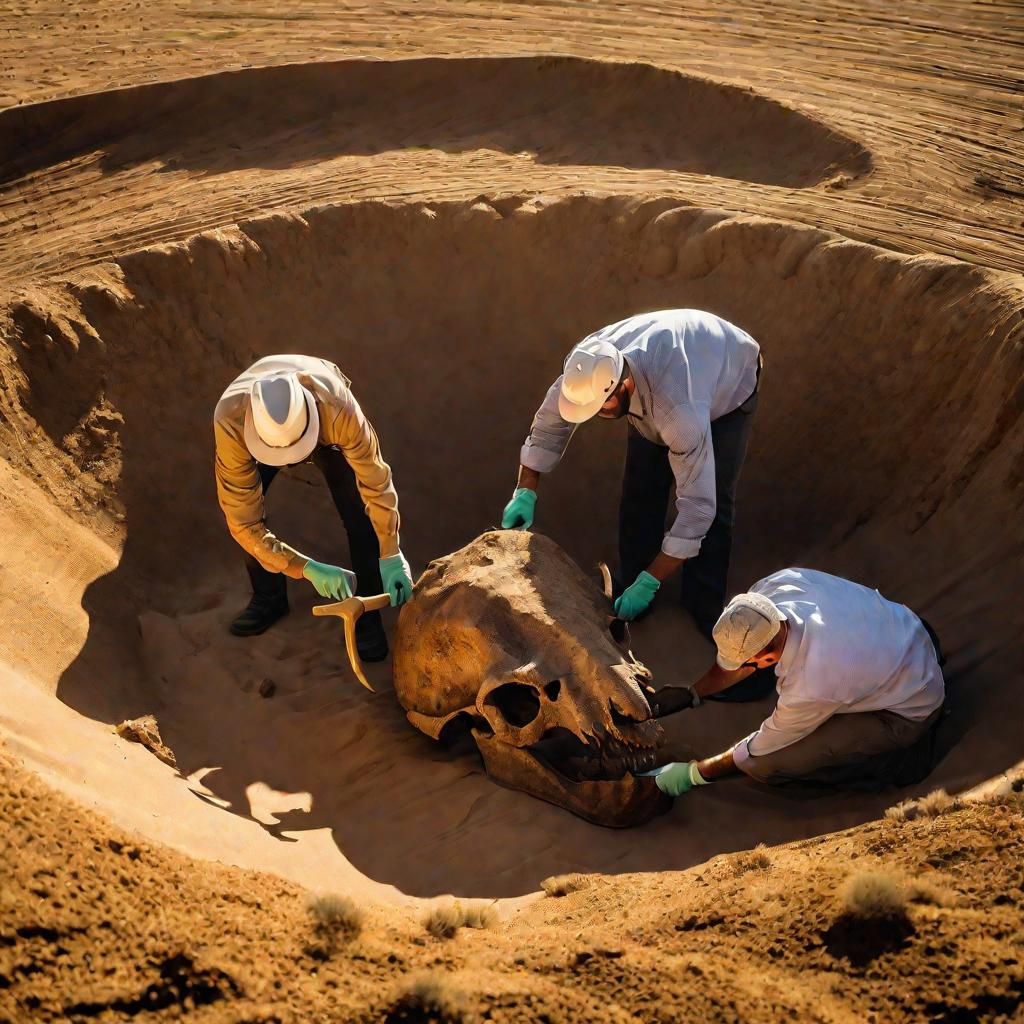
(518, 513)
(678, 778)
(397, 578)
(636, 598)
(330, 580)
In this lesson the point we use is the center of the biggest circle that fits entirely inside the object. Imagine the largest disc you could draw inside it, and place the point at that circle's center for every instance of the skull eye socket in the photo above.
(553, 689)
(620, 718)
(517, 703)
(619, 630)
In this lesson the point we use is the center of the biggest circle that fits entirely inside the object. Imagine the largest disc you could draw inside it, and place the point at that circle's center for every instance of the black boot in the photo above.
(261, 613)
(371, 640)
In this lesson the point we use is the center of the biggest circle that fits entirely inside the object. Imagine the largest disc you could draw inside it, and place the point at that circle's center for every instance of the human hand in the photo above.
(397, 578)
(518, 514)
(637, 597)
(330, 580)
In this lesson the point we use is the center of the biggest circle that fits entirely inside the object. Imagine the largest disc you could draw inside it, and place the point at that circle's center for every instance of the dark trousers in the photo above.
(865, 750)
(647, 485)
(362, 540)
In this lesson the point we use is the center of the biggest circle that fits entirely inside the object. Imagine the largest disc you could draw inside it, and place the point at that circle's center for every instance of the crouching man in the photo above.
(859, 682)
(282, 411)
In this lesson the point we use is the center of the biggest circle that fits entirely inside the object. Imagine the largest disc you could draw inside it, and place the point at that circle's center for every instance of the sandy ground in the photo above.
(931, 91)
(97, 925)
(408, 218)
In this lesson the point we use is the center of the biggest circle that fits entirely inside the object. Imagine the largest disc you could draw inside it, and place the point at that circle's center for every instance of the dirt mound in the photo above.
(97, 924)
(887, 448)
(565, 110)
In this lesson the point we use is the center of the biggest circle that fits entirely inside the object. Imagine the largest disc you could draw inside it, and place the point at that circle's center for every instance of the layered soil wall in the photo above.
(887, 447)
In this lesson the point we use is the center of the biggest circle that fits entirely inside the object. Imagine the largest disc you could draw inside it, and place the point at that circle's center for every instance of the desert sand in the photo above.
(417, 191)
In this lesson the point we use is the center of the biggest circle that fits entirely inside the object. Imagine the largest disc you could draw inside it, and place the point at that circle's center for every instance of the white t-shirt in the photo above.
(848, 650)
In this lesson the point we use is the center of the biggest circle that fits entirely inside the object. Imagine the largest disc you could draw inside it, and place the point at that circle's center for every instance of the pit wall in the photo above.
(887, 447)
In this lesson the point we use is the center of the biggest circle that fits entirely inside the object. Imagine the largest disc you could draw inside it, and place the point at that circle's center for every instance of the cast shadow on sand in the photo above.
(554, 110)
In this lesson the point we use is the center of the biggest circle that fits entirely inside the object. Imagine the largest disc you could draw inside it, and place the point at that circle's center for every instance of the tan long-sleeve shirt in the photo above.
(342, 423)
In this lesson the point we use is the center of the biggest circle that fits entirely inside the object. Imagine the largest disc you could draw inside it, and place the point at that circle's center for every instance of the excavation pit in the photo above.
(886, 448)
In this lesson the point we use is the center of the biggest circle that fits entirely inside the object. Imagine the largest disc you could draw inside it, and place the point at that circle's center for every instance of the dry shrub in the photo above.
(756, 859)
(336, 919)
(444, 920)
(905, 810)
(937, 802)
(562, 885)
(874, 894)
(920, 891)
(430, 996)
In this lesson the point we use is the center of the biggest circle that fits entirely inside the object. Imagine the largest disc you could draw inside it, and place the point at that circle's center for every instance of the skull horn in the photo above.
(618, 628)
(349, 611)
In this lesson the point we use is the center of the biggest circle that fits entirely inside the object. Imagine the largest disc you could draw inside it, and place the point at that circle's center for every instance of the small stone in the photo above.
(268, 688)
(145, 730)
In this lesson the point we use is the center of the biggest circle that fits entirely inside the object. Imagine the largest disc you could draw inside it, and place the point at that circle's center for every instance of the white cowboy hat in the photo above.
(282, 424)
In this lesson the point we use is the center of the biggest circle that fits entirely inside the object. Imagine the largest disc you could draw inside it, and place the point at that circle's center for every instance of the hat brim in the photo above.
(291, 454)
(573, 413)
(726, 664)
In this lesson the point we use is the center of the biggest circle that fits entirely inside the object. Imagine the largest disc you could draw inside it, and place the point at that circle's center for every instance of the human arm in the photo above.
(681, 776)
(549, 435)
(344, 424)
(795, 716)
(528, 478)
(518, 513)
(670, 699)
(692, 459)
(688, 434)
(240, 495)
(548, 438)
(717, 679)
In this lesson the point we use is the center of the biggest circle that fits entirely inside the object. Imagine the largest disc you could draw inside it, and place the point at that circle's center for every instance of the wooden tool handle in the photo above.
(369, 604)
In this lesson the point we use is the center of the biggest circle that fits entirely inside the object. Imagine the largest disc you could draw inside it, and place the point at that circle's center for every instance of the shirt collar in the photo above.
(793, 639)
(637, 401)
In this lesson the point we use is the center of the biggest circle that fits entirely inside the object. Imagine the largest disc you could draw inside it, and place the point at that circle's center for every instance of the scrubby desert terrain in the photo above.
(442, 197)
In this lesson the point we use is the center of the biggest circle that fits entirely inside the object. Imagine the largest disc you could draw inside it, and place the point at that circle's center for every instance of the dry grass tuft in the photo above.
(562, 885)
(433, 996)
(336, 919)
(756, 859)
(874, 894)
(937, 802)
(445, 920)
(920, 891)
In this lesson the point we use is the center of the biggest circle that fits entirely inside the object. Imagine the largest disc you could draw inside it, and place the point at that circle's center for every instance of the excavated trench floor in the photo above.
(886, 447)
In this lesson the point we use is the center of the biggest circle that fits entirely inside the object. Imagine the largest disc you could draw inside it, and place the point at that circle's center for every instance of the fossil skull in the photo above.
(508, 639)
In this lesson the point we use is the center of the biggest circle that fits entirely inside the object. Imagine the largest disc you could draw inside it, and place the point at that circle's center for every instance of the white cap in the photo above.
(747, 626)
(592, 371)
(282, 425)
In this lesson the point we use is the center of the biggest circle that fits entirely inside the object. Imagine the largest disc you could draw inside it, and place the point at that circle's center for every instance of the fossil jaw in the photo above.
(614, 803)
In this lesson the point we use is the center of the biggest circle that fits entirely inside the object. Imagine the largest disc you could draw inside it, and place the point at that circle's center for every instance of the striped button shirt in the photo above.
(689, 368)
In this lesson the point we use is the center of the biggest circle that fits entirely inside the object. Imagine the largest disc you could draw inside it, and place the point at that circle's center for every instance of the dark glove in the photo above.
(670, 699)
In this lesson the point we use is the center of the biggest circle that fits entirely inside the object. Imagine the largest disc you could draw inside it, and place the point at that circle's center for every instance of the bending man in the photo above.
(282, 411)
(686, 383)
(859, 681)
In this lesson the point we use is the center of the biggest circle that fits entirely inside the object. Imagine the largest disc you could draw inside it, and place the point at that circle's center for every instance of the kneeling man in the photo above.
(858, 679)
